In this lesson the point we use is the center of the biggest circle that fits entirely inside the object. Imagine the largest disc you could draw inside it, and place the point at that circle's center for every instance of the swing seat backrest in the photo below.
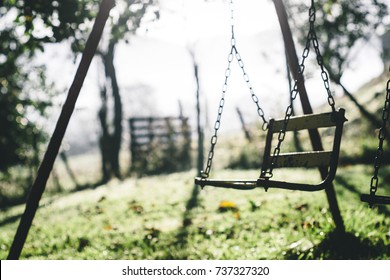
(306, 159)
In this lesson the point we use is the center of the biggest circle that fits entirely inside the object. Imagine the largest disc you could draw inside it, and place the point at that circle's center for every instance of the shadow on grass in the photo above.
(10, 220)
(181, 237)
(342, 246)
(15, 218)
(180, 240)
(89, 186)
(350, 187)
(344, 182)
(7, 203)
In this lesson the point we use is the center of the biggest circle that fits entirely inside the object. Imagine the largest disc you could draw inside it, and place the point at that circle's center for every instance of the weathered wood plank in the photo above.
(303, 159)
(311, 121)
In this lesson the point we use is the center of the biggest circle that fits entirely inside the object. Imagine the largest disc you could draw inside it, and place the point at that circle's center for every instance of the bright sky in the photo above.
(155, 70)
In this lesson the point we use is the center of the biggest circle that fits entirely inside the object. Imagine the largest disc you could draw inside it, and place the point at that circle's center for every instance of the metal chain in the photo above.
(233, 53)
(320, 60)
(255, 99)
(311, 37)
(381, 137)
(205, 173)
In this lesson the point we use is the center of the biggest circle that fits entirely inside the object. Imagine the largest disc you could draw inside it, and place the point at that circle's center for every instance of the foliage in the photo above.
(25, 26)
(22, 113)
(342, 23)
(339, 26)
(19, 135)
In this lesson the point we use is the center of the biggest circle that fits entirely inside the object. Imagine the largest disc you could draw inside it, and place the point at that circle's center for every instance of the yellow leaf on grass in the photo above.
(225, 205)
(108, 227)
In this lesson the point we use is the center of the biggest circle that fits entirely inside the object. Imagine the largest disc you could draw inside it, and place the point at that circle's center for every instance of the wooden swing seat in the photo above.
(375, 199)
(297, 159)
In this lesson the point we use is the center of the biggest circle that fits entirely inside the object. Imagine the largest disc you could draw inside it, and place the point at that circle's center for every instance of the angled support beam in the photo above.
(313, 133)
(46, 166)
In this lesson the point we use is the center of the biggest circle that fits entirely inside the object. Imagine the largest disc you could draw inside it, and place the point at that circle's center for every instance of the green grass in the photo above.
(165, 217)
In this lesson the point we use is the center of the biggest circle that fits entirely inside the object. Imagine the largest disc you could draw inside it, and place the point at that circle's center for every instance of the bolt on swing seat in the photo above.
(297, 159)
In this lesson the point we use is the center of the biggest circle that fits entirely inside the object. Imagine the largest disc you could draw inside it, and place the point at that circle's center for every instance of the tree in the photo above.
(340, 25)
(129, 15)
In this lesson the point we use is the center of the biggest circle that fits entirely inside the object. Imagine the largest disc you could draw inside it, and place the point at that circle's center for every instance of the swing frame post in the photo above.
(314, 135)
(47, 163)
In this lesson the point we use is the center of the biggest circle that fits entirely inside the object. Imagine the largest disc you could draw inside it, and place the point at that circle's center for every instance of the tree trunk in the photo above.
(297, 142)
(71, 174)
(247, 134)
(200, 157)
(104, 142)
(116, 136)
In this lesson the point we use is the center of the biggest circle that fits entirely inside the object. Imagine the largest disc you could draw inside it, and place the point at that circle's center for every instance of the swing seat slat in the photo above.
(304, 159)
(230, 184)
(310, 121)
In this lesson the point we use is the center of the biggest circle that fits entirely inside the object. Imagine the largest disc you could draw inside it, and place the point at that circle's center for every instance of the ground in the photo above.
(167, 217)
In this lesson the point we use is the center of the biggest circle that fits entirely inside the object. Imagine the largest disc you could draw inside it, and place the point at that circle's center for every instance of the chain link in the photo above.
(232, 54)
(311, 38)
(255, 99)
(381, 138)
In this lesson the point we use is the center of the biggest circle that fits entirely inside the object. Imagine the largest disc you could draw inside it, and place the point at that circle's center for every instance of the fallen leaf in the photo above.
(108, 227)
(227, 205)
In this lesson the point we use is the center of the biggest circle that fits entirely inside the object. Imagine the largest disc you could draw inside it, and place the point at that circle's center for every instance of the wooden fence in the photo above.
(160, 145)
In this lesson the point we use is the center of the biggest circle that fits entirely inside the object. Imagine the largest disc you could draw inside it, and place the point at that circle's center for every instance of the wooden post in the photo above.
(133, 143)
(55, 142)
(181, 115)
(64, 159)
(186, 144)
(200, 158)
(306, 107)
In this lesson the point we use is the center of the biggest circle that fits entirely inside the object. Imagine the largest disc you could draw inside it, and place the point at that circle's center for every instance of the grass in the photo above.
(165, 217)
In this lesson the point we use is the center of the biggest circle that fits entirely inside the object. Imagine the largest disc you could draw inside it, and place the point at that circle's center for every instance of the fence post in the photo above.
(133, 143)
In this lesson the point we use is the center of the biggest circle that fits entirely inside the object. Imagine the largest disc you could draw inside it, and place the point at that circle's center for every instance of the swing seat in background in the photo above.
(375, 199)
(309, 159)
(372, 198)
